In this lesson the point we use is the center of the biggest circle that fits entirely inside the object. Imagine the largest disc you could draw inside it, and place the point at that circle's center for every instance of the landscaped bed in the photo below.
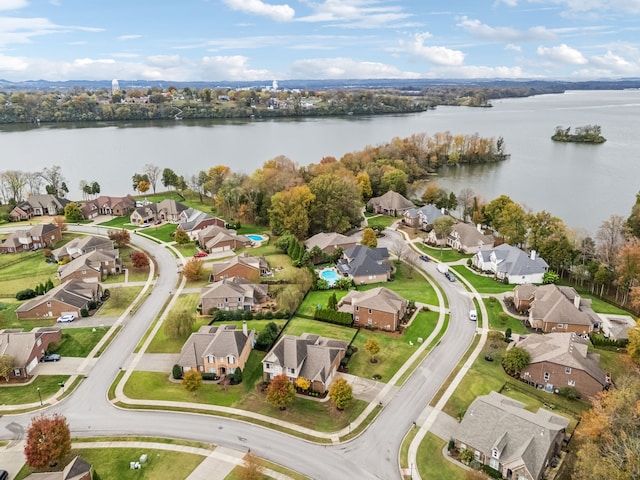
(482, 283)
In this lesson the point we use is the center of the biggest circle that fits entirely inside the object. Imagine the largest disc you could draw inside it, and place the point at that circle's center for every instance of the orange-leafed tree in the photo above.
(280, 391)
(139, 259)
(61, 222)
(193, 269)
(48, 440)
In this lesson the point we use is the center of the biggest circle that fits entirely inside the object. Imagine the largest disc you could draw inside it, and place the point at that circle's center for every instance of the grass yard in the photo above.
(415, 288)
(78, 342)
(111, 463)
(381, 221)
(248, 229)
(617, 363)
(600, 306)
(120, 299)
(445, 255)
(282, 263)
(25, 270)
(163, 232)
(481, 283)
(318, 297)
(297, 326)
(21, 394)
(432, 465)
(187, 250)
(8, 318)
(494, 308)
(118, 223)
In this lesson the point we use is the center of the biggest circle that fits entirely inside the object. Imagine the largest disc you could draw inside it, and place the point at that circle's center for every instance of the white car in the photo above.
(473, 315)
(66, 318)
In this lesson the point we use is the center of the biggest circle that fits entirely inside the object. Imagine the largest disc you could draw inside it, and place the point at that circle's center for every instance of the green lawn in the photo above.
(163, 232)
(415, 288)
(494, 308)
(118, 223)
(445, 255)
(113, 463)
(8, 318)
(297, 326)
(21, 271)
(187, 250)
(600, 306)
(318, 297)
(381, 221)
(248, 229)
(120, 299)
(19, 395)
(78, 342)
(617, 363)
(432, 465)
(482, 283)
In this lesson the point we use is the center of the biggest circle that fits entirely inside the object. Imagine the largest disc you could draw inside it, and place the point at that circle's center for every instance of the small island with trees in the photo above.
(585, 134)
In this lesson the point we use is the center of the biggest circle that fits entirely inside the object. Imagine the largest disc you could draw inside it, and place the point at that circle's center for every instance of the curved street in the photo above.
(372, 455)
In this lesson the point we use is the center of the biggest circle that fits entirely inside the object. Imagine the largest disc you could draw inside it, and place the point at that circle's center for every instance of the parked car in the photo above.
(450, 276)
(424, 258)
(200, 255)
(4, 475)
(473, 315)
(50, 357)
(66, 318)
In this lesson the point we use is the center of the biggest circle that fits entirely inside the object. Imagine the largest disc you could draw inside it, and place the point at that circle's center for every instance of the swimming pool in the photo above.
(331, 276)
(255, 238)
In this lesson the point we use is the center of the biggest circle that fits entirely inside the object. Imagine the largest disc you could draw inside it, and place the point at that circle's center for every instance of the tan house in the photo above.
(107, 205)
(502, 434)
(422, 217)
(38, 206)
(168, 210)
(219, 239)
(562, 360)
(243, 266)
(91, 267)
(556, 308)
(365, 265)
(80, 246)
(43, 235)
(27, 348)
(69, 298)
(76, 469)
(376, 308)
(309, 356)
(217, 349)
(391, 203)
(467, 239)
(193, 220)
(232, 293)
(329, 242)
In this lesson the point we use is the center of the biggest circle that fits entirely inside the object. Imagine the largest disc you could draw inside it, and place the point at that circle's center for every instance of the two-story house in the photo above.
(39, 206)
(365, 265)
(466, 238)
(422, 217)
(92, 266)
(391, 204)
(377, 308)
(329, 242)
(43, 235)
(193, 221)
(80, 246)
(505, 261)
(243, 266)
(232, 293)
(107, 205)
(220, 239)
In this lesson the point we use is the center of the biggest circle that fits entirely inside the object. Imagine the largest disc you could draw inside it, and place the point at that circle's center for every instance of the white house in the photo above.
(512, 263)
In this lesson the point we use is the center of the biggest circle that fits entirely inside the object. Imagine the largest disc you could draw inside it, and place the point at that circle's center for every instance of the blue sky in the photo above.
(216, 40)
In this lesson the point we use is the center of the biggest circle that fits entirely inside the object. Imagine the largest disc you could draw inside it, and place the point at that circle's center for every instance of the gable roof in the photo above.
(566, 349)
(72, 292)
(78, 246)
(235, 287)
(75, 469)
(324, 240)
(190, 218)
(171, 206)
(361, 260)
(218, 341)
(13, 239)
(20, 345)
(513, 261)
(557, 304)
(431, 212)
(247, 260)
(392, 201)
(380, 299)
(45, 200)
(520, 436)
(470, 236)
(229, 236)
(92, 260)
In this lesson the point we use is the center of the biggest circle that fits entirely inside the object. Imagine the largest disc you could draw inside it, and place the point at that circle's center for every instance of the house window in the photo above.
(39, 342)
(212, 370)
(226, 300)
(463, 446)
(357, 308)
(357, 320)
(561, 325)
(211, 359)
(476, 455)
(369, 311)
(231, 359)
(48, 304)
(16, 372)
(292, 371)
(493, 463)
(567, 370)
(547, 375)
(369, 321)
(494, 453)
(571, 383)
(267, 366)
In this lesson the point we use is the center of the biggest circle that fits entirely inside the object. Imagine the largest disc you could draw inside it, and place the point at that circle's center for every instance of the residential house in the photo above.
(80, 246)
(365, 265)
(232, 293)
(556, 308)
(27, 348)
(467, 239)
(391, 203)
(502, 434)
(193, 221)
(92, 266)
(243, 266)
(329, 242)
(377, 308)
(505, 261)
(217, 349)
(219, 239)
(523, 296)
(616, 327)
(309, 356)
(168, 210)
(562, 360)
(107, 205)
(38, 206)
(422, 217)
(69, 298)
(76, 469)
(42, 235)
(145, 214)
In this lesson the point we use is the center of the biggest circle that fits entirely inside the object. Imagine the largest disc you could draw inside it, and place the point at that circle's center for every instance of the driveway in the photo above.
(65, 366)
(97, 322)
(363, 388)
(155, 362)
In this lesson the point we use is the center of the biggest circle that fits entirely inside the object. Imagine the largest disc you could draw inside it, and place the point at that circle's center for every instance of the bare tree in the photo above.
(609, 239)
(35, 182)
(15, 181)
(465, 202)
(55, 180)
(153, 172)
(399, 250)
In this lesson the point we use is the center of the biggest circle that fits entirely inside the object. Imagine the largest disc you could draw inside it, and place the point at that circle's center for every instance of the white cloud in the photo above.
(13, 4)
(356, 14)
(279, 13)
(124, 38)
(478, 71)
(562, 54)
(22, 29)
(513, 47)
(231, 68)
(483, 31)
(615, 63)
(434, 54)
(595, 7)
(508, 3)
(125, 55)
(345, 68)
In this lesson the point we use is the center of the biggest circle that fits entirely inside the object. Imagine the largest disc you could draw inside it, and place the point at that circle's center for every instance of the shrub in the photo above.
(26, 294)
(92, 305)
(176, 372)
(492, 472)
(466, 456)
(451, 445)
(210, 376)
(570, 393)
(236, 376)
(469, 262)
(332, 316)
(84, 312)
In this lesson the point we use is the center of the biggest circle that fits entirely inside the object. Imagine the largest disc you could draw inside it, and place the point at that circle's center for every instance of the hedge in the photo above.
(331, 316)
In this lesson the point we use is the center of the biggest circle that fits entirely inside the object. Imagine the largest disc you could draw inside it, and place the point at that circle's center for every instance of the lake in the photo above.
(582, 184)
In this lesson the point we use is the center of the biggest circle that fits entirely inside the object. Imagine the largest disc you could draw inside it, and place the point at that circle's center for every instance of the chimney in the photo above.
(479, 227)
(533, 254)
(244, 328)
(576, 301)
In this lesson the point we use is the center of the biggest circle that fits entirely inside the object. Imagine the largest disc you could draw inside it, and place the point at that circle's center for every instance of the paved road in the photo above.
(373, 455)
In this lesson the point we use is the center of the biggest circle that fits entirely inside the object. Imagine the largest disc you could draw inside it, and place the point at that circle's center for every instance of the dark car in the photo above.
(450, 277)
(50, 357)
(4, 475)
(424, 258)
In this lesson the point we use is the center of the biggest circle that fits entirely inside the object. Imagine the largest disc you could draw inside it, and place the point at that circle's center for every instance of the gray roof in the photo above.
(192, 218)
(45, 200)
(75, 469)
(496, 421)
(218, 341)
(514, 261)
(92, 260)
(555, 304)
(361, 260)
(431, 212)
(392, 201)
(171, 206)
(235, 287)
(73, 292)
(245, 259)
(470, 236)
(380, 299)
(229, 236)
(20, 345)
(326, 240)
(79, 246)
(565, 349)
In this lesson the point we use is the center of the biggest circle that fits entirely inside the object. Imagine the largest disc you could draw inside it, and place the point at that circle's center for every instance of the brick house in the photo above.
(422, 217)
(467, 239)
(43, 235)
(80, 246)
(27, 348)
(502, 434)
(167, 210)
(193, 220)
(69, 298)
(561, 360)
(377, 308)
(39, 206)
(219, 239)
(243, 266)
(107, 205)
(329, 242)
(232, 293)
(309, 356)
(91, 267)
(218, 349)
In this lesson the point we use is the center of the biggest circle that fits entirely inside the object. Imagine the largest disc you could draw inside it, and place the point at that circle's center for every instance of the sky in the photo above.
(235, 40)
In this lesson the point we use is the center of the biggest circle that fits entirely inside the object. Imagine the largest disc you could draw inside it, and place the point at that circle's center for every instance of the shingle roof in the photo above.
(253, 262)
(325, 240)
(380, 299)
(73, 292)
(525, 437)
(361, 260)
(19, 344)
(193, 218)
(555, 304)
(77, 246)
(514, 261)
(218, 341)
(392, 201)
(469, 236)
(431, 212)
(234, 287)
(91, 260)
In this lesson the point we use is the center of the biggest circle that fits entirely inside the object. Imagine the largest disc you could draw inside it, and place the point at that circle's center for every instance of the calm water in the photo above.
(582, 184)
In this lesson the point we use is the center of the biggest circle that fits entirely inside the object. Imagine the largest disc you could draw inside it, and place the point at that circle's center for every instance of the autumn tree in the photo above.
(181, 237)
(6, 366)
(55, 181)
(280, 391)
(515, 360)
(372, 347)
(289, 212)
(137, 178)
(303, 383)
(431, 193)
(61, 222)
(72, 212)
(192, 381)
(336, 203)
(169, 178)
(363, 182)
(139, 259)
(193, 270)
(179, 325)
(341, 393)
(442, 226)
(610, 238)
(250, 468)
(48, 440)
(541, 227)
(633, 347)
(369, 238)
(465, 202)
(121, 237)
(143, 186)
